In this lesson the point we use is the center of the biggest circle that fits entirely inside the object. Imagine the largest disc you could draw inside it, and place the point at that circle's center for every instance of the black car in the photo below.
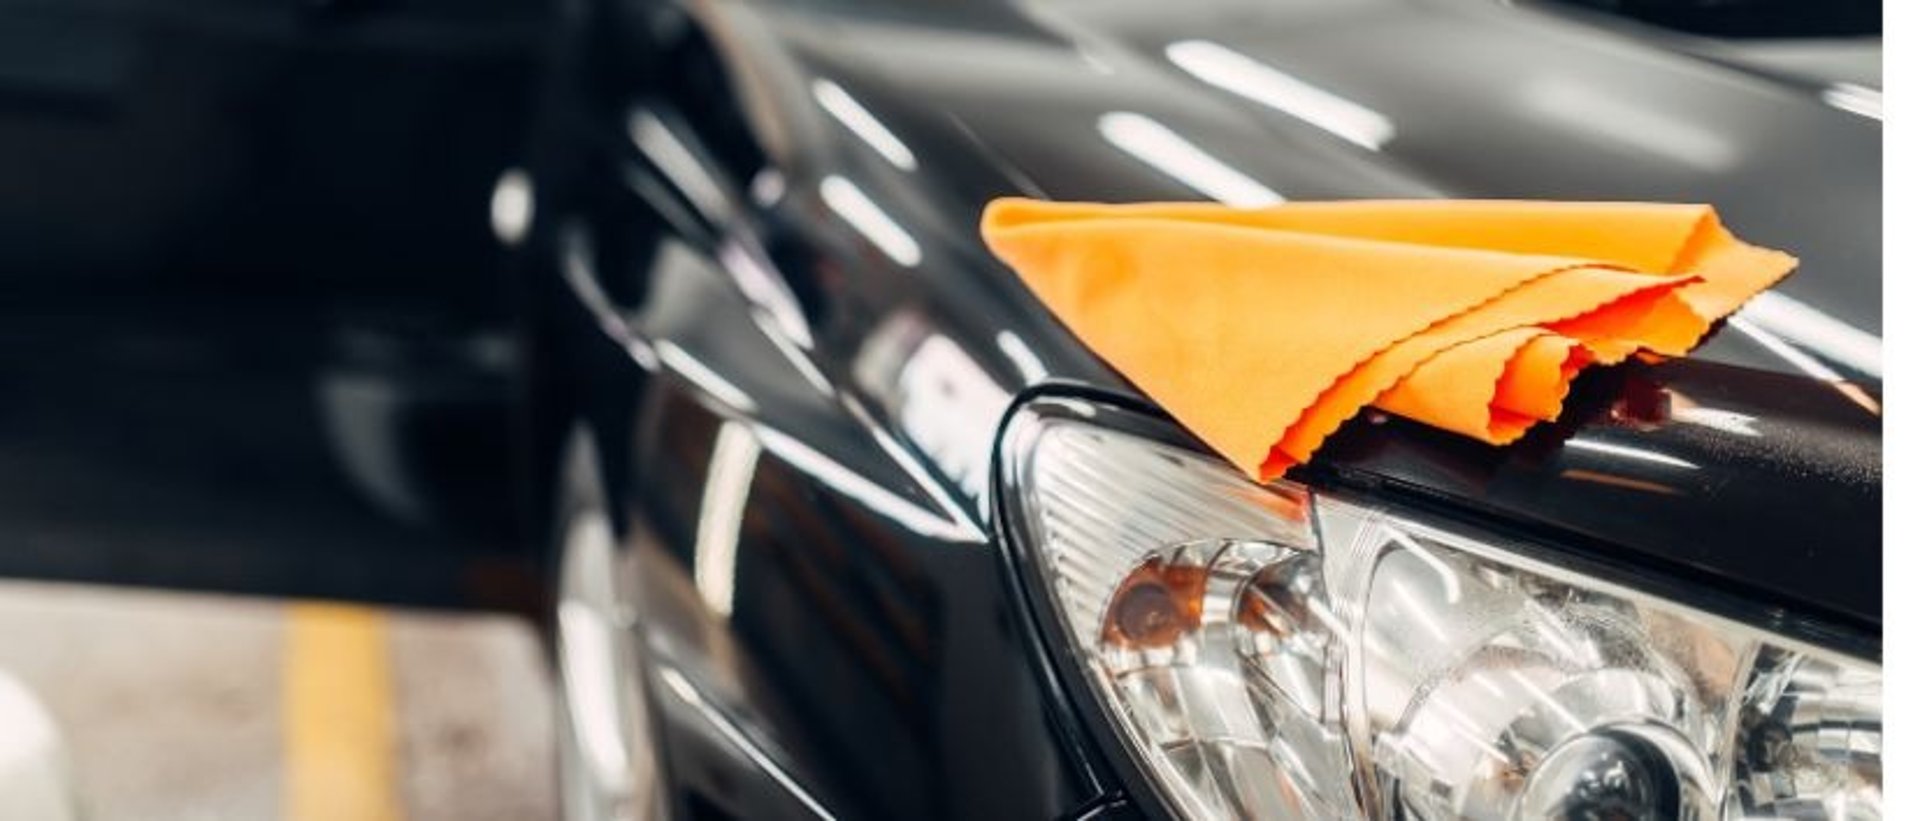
(848, 525)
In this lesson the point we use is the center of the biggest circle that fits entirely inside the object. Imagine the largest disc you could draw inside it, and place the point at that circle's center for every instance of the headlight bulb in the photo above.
(1603, 776)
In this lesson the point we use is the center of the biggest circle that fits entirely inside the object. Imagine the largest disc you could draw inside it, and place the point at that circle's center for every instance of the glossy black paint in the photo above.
(770, 304)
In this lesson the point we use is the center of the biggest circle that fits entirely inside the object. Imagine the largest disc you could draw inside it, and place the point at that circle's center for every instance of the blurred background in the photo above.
(256, 327)
(255, 341)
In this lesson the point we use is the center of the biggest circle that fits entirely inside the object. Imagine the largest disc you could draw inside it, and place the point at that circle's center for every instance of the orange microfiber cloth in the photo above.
(1262, 330)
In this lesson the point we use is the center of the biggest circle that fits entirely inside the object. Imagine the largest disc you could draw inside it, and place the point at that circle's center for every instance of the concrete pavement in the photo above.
(177, 706)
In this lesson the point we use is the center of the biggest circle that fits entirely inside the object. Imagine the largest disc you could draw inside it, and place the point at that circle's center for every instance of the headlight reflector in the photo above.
(1267, 652)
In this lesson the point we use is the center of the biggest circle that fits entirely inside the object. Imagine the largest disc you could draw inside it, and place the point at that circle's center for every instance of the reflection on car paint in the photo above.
(850, 113)
(867, 217)
(1853, 98)
(1152, 142)
(1638, 454)
(723, 501)
(1262, 83)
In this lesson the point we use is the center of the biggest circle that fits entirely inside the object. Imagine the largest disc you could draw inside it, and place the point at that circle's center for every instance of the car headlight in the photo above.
(1263, 651)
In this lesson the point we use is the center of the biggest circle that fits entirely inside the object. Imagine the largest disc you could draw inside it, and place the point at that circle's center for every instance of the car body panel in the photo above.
(797, 352)
(805, 586)
(991, 100)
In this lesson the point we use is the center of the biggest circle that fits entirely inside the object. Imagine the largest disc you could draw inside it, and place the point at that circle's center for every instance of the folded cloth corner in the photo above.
(1264, 329)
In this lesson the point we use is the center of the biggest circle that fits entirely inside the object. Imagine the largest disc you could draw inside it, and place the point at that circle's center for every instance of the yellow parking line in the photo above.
(337, 716)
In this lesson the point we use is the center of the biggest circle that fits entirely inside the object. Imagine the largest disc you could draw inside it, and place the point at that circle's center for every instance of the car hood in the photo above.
(1754, 464)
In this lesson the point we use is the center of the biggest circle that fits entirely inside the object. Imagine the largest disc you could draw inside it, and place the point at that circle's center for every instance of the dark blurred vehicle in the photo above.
(257, 330)
(849, 526)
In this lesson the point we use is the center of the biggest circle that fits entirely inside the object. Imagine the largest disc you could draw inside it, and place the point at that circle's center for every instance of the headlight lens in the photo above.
(1266, 652)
